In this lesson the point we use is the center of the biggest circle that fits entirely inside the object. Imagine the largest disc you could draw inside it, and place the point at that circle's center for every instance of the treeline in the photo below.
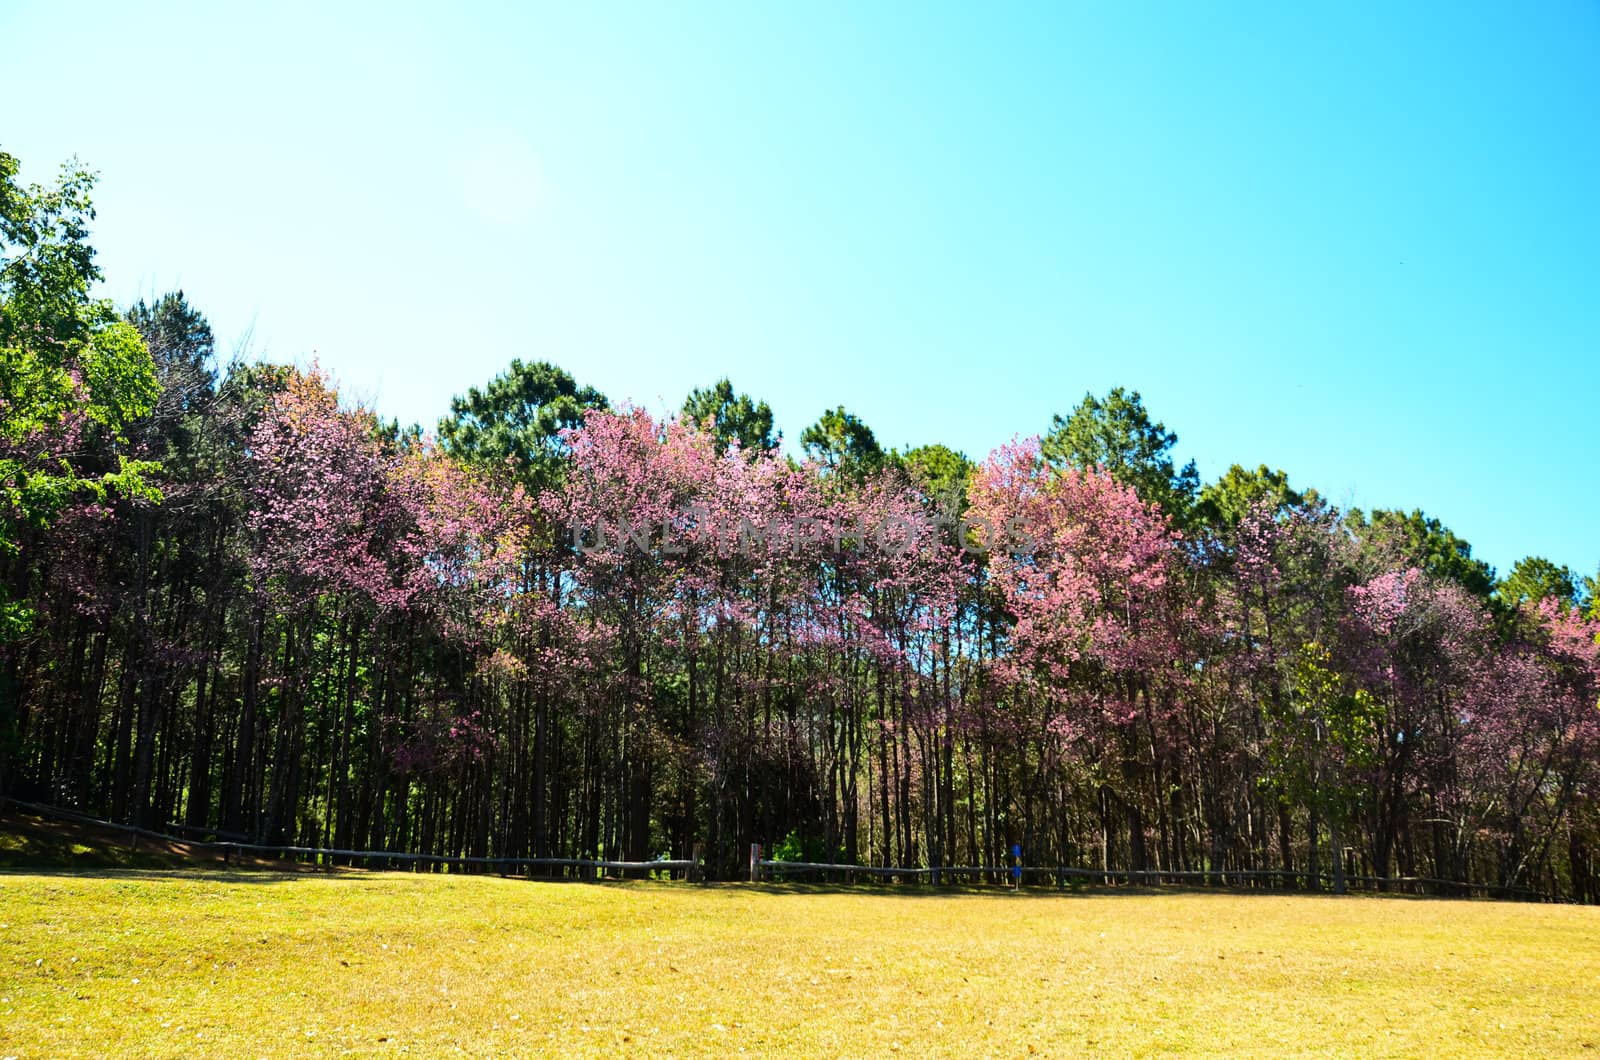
(560, 628)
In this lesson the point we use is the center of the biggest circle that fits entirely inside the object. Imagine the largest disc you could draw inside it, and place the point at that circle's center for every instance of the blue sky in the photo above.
(1353, 241)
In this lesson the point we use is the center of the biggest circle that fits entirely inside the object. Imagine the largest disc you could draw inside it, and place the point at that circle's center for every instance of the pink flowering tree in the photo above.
(1413, 645)
(1529, 748)
(1085, 571)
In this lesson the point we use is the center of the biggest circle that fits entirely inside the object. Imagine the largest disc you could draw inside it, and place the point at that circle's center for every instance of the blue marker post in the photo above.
(1016, 867)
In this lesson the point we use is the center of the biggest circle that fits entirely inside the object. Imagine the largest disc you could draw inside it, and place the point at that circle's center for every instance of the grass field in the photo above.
(200, 962)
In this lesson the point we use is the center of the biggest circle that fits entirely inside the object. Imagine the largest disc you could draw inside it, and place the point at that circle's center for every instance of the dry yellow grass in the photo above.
(131, 963)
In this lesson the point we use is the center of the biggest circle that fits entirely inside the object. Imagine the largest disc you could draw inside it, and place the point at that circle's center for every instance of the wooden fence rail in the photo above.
(1151, 877)
(230, 848)
(766, 869)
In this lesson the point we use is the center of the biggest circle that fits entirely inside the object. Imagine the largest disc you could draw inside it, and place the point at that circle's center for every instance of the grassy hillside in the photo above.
(160, 963)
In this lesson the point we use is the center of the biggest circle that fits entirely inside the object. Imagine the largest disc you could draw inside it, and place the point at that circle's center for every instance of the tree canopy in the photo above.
(1226, 502)
(241, 601)
(731, 418)
(841, 442)
(1534, 579)
(1423, 540)
(517, 418)
(69, 368)
(1117, 435)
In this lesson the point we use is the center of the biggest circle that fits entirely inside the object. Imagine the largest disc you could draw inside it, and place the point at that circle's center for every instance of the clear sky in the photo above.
(1360, 242)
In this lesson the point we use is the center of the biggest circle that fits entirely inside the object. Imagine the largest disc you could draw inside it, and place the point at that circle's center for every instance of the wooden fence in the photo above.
(229, 849)
(1059, 876)
(234, 846)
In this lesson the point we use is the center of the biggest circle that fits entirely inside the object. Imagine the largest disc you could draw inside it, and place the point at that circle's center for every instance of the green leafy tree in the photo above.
(73, 376)
(182, 347)
(1225, 502)
(1325, 739)
(1421, 541)
(518, 418)
(245, 391)
(940, 473)
(1534, 578)
(1118, 435)
(732, 417)
(400, 437)
(840, 442)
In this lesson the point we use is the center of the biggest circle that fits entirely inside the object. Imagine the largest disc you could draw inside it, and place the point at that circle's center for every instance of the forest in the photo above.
(557, 625)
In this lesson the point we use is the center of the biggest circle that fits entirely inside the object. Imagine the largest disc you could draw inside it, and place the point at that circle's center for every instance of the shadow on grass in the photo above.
(171, 875)
(1082, 891)
(290, 873)
(960, 890)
